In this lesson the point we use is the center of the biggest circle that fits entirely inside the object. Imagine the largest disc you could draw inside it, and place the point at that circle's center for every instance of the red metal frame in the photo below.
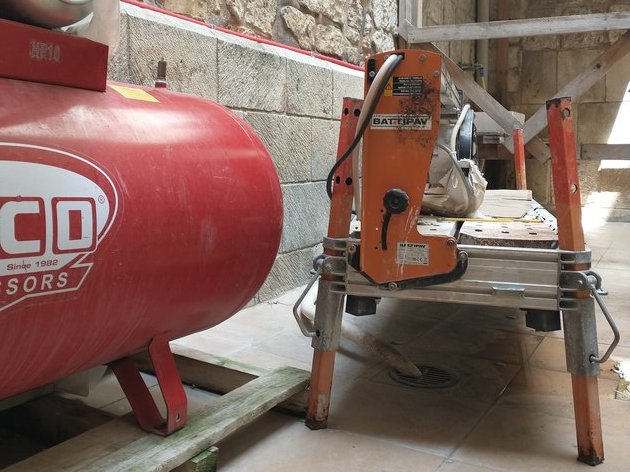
(338, 227)
(571, 237)
(146, 411)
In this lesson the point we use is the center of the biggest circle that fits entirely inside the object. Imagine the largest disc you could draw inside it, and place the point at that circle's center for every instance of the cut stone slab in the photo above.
(251, 78)
(306, 209)
(288, 140)
(309, 89)
(325, 139)
(190, 56)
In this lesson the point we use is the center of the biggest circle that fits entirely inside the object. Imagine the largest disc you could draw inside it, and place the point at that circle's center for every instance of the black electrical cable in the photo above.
(364, 126)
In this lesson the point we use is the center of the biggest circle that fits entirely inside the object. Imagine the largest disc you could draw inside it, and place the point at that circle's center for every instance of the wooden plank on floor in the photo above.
(27, 396)
(519, 28)
(218, 374)
(97, 442)
(207, 461)
(119, 445)
(53, 419)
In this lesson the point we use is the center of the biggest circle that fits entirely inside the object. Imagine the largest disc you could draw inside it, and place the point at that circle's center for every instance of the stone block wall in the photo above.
(540, 66)
(450, 12)
(346, 29)
(293, 102)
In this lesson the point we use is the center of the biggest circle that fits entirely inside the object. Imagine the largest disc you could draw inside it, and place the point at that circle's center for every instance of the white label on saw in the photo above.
(412, 253)
(401, 121)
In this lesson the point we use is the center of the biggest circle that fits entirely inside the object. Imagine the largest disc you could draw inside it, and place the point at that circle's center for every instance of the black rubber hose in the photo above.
(359, 135)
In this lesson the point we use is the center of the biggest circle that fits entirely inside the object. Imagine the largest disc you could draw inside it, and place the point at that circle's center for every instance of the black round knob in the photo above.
(395, 201)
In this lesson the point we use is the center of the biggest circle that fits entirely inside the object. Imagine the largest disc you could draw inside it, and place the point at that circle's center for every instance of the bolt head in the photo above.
(436, 73)
(423, 57)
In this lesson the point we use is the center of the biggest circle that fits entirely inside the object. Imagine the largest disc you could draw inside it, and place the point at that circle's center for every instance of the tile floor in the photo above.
(512, 411)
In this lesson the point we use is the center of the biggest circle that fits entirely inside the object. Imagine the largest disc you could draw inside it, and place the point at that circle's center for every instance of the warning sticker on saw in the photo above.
(407, 85)
(412, 253)
(417, 122)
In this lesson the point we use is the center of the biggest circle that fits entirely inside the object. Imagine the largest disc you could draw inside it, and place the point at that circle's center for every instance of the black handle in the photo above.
(395, 202)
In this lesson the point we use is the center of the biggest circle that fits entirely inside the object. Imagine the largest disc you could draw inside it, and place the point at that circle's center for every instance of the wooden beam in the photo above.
(605, 151)
(217, 374)
(53, 419)
(27, 396)
(487, 103)
(207, 461)
(519, 28)
(120, 445)
(535, 147)
(579, 85)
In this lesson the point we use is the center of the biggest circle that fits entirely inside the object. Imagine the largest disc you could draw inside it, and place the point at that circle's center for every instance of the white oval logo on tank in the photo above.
(55, 209)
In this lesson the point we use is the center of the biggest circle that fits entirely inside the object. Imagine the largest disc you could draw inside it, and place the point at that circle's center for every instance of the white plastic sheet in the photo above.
(447, 195)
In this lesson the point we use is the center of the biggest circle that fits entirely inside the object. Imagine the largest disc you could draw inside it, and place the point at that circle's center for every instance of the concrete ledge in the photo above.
(310, 90)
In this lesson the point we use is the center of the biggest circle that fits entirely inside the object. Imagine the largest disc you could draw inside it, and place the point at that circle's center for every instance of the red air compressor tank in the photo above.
(124, 216)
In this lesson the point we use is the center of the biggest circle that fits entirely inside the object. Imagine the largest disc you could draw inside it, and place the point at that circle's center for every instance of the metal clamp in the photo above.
(336, 244)
(576, 281)
(322, 265)
(575, 257)
(318, 262)
(334, 265)
(611, 322)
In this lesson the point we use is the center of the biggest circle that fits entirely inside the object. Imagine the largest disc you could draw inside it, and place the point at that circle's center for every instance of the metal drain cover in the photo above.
(433, 377)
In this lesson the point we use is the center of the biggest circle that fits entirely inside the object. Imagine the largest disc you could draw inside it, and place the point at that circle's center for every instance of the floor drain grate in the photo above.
(432, 377)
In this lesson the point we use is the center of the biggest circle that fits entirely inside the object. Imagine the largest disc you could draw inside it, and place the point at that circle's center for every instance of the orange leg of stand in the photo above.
(571, 237)
(338, 227)
(519, 159)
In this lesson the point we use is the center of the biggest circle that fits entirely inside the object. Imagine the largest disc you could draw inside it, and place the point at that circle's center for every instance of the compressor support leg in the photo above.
(146, 411)
(579, 324)
(329, 307)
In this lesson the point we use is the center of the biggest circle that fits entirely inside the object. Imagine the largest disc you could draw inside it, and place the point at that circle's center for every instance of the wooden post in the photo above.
(338, 227)
(571, 238)
(519, 159)
(501, 72)
(205, 462)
